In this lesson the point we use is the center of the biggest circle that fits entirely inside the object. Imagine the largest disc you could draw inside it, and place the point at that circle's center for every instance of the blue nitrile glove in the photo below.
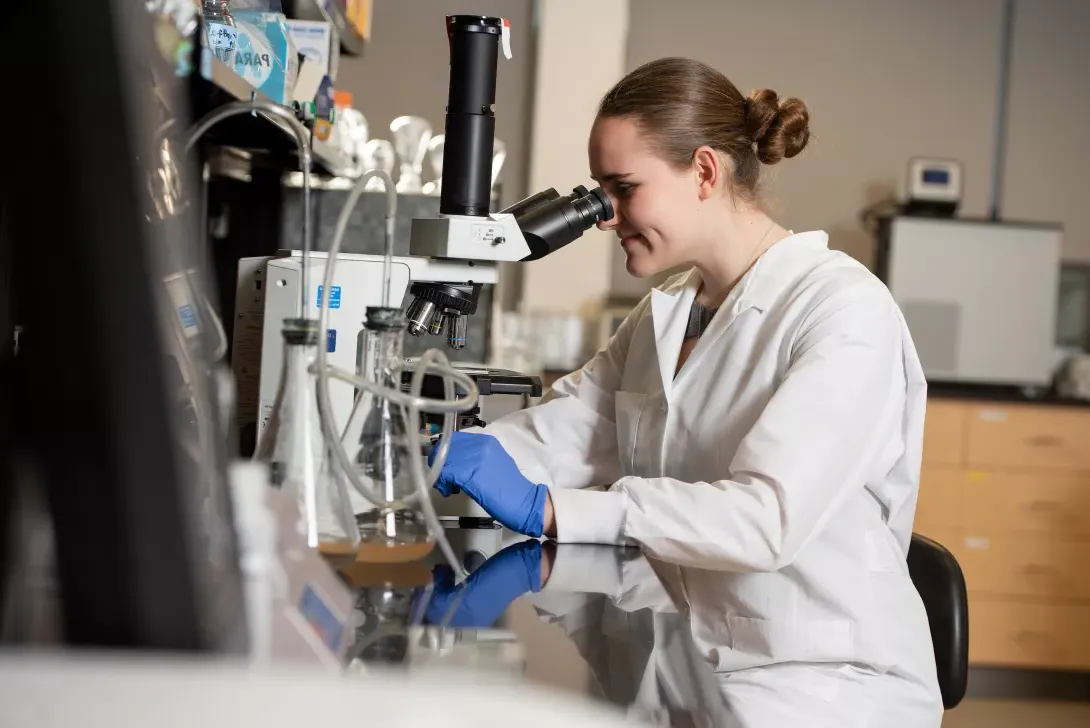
(478, 464)
(488, 591)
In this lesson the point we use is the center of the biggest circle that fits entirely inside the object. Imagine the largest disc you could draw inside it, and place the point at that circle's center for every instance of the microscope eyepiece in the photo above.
(593, 207)
(549, 222)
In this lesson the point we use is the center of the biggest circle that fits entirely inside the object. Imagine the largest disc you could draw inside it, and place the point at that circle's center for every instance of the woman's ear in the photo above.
(710, 170)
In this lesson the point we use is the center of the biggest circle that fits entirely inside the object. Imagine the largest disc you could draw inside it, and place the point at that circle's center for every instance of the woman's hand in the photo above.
(478, 464)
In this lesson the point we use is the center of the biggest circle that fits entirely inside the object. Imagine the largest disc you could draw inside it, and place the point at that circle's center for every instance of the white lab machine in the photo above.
(268, 292)
(979, 297)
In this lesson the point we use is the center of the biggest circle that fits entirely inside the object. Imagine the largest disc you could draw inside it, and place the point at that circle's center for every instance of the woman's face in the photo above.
(656, 206)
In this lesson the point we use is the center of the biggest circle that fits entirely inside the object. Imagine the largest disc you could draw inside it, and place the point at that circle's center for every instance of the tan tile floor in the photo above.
(1017, 714)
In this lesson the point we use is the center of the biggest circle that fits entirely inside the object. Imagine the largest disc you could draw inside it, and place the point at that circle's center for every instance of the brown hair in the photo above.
(684, 104)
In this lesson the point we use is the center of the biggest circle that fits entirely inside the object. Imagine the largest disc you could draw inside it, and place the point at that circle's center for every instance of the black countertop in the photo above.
(596, 621)
(1006, 394)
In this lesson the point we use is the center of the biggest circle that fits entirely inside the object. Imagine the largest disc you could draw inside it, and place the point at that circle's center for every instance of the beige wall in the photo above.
(580, 54)
(884, 80)
(405, 70)
(1047, 170)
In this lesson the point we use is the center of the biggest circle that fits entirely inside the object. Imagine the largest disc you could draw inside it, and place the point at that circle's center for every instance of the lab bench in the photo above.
(1005, 486)
(586, 625)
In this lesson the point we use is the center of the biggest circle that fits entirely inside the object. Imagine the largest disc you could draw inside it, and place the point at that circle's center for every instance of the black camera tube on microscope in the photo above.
(471, 122)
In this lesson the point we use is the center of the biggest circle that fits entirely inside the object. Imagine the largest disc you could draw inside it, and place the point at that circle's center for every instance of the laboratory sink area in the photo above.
(545, 363)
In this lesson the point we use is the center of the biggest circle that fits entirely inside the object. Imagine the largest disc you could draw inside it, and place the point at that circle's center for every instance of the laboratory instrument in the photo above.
(378, 434)
(934, 187)
(221, 30)
(435, 158)
(411, 136)
(294, 445)
(465, 230)
(378, 154)
(450, 259)
(979, 296)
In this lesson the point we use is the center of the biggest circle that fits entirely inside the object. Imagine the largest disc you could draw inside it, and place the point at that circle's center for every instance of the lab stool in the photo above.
(938, 579)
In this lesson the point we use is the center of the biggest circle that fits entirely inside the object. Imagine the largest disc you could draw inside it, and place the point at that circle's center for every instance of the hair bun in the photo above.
(779, 129)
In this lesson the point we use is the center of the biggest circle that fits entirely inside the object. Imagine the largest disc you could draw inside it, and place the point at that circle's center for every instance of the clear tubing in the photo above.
(391, 221)
(433, 360)
(422, 484)
(274, 113)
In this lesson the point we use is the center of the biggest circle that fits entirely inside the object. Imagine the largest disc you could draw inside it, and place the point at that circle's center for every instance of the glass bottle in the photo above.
(298, 455)
(219, 26)
(380, 444)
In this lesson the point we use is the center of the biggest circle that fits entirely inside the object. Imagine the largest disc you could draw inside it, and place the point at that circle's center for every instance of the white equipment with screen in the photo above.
(979, 297)
(934, 187)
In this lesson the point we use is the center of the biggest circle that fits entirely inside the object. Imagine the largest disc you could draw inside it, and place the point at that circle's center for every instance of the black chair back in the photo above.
(941, 585)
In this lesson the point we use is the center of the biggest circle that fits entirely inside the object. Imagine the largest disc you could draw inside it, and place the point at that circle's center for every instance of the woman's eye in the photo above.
(624, 190)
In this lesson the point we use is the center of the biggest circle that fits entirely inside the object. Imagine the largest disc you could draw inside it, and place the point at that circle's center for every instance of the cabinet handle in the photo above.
(1044, 441)
(1036, 641)
(1039, 572)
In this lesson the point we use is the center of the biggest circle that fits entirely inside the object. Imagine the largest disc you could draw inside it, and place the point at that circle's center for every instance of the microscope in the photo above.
(450, 257)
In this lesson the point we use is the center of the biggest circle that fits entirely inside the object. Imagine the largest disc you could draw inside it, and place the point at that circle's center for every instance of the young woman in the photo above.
(759, 414)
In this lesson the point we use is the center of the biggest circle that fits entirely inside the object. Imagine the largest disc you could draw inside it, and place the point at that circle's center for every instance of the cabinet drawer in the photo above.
(944, 433)
(1025, 566)
(998, 503)
(941, 502)
(1028, 437)
(1013, 634)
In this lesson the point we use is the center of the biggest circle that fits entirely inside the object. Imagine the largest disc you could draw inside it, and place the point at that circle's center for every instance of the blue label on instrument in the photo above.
(334, 296)
(321, 619)
(189, 319)
(331, 340)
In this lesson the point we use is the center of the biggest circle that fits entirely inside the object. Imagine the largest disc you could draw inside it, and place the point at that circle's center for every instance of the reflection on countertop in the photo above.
(652, 639)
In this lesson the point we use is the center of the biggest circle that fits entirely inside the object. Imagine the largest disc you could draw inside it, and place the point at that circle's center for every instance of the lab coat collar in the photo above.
(780, 265)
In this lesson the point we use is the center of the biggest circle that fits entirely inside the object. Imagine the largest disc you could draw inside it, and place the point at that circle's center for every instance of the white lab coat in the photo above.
(786, 452)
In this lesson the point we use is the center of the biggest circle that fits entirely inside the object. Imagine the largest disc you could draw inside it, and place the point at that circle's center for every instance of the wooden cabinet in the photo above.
(1006, 487)
(944, 433)
(1028, 437)
(1025, 633)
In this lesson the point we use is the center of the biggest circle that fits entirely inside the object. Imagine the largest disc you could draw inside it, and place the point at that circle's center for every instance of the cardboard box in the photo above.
(265, 55)
(317, 41)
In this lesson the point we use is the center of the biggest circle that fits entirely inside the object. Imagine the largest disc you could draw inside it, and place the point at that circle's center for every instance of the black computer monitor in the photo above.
(100, 409)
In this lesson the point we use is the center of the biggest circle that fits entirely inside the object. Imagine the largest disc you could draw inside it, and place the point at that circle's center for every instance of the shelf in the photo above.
(352, 43)
(217, 84)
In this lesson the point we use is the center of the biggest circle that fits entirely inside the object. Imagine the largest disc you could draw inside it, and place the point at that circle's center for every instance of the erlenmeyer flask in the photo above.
(296, 451)
(379, 444)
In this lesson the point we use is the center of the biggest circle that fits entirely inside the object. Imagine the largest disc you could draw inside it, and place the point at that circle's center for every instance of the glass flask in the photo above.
(379, 444)
(297, 453)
